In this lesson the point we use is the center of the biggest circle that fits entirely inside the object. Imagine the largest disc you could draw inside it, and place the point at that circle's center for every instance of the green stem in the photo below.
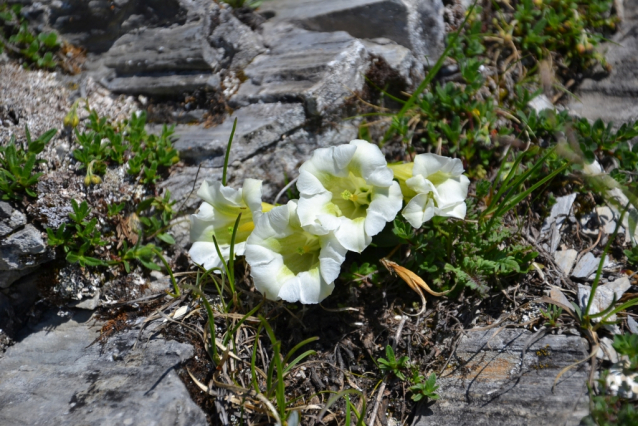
(601, 263)
(170, 272)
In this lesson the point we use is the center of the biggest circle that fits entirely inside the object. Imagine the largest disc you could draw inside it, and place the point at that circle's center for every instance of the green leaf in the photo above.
(167, 238)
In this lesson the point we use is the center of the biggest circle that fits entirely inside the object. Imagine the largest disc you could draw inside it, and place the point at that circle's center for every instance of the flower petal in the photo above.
(307, 288)
(204, 253)
(279, 245)
(384, 207)
(419, 210)
(223, 198)
(453, 191)
(331, 257)
(351, 234)
(369, 162)
(458, 211)
(251, 194)
(428, 164)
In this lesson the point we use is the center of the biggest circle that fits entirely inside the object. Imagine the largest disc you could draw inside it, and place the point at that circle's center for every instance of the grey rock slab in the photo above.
(52, 376)
(605, 295)
(586, 266)
(21, 251)
(10, 219)
(560, 211)
(280, 163)
(632, 324)
(184, 182)
(613, 98)
(557, 295)
(237, 41)
(89, 304)
(491, 383)
(163, 61)
(415, 24)
(565, 259)
(606, 351)
(95, 25)
(258, 126)
(179, 48)
(398, 58)
(163, 85)
(320, 70)
(552, 225)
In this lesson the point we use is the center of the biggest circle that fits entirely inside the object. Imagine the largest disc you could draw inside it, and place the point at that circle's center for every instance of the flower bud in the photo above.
(95, 179)
(71, 119)
(87, 180)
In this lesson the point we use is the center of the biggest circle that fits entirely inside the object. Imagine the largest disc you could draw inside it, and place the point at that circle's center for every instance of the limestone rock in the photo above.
(415, 24)
(20, 252)
(587, 265)
(10, 219)
(163, 61)
(565, 259)
(552, 225)
(95, 25)
(55, 375)
(605, 295)
(280, 163)
(399, 58)
(258, 126)
(613, 98)
(492, 384)
(319, 69)
(238, 42)
(184, 182)
(163, 85)
(181, 48)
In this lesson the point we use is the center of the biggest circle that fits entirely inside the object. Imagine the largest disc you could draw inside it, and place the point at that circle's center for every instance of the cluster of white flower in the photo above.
(347, 195)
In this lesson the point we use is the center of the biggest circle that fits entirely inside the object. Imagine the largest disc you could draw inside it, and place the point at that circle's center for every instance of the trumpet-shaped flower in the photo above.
(216, 217)
(432, 186)
(289, 263)
(348, 190)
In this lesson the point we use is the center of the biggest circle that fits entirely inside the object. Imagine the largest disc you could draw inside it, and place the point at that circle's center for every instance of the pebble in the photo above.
(565, 259)
(586, 266)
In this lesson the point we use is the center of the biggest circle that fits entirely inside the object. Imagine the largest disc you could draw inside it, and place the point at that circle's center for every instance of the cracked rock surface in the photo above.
(54, 376)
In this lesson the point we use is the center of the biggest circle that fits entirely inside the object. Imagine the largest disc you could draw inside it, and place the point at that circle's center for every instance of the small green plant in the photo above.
(17, 165)
(392, 365)
(158, 218)
(115, 209)
(238, 4)
(627, 344)
(552, 314)
(80, 238)
(37, 50)
(366, 273)
(146, 156)
(424, 388)
(605, 408)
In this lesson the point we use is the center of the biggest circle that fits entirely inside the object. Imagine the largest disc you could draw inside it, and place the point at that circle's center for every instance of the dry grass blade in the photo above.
(411, 279)
(200, 385)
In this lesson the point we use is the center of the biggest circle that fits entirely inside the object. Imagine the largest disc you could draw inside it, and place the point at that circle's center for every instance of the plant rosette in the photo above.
(289, 263)
(216, 218)
(348, 190)
(432, 185)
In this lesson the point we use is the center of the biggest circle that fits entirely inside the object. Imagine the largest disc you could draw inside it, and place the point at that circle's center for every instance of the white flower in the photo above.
(432, 186)
(217, 216)
(348, 190)
(593, 168)
(289, 263)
